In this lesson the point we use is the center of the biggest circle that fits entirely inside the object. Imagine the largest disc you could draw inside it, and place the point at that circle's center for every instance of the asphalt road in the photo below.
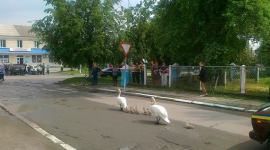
(91, 120)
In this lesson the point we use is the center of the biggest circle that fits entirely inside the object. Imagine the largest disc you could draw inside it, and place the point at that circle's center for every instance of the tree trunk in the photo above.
(90, 66)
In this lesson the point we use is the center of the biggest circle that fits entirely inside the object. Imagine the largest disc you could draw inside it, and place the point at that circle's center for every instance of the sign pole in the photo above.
(125, 47)
(125, 73)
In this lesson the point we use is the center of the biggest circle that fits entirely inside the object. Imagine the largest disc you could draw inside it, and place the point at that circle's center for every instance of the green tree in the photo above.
(138, 31)
(217, 32)
(79, 32)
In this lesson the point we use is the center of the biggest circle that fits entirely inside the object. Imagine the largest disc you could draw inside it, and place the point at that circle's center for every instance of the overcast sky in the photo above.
(19, 12)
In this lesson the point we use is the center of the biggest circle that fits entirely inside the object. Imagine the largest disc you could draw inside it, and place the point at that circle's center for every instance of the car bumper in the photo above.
(255, 136)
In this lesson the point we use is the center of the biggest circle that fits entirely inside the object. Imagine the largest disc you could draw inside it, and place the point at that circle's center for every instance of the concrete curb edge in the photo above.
(183, 100)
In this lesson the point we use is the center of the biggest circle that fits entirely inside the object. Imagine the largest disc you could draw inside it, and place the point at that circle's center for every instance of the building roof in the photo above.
(16, 30)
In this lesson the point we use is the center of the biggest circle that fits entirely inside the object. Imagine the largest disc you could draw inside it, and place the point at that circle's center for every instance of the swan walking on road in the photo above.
(121, 101)
(159, 111)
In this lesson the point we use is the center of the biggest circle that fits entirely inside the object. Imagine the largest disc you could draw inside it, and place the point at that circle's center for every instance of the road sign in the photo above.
(125, 47)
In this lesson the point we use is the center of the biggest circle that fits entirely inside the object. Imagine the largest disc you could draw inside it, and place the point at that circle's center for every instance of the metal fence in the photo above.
(223, 79)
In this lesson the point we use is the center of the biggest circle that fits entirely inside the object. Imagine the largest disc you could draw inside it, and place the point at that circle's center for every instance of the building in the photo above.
(19, 46)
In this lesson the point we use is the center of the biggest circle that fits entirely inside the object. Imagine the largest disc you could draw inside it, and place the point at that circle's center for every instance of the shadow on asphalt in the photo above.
(148, 122)
(114, 109)
(249, 145)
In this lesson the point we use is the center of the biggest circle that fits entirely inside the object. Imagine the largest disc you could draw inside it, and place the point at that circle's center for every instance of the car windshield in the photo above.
(266, 109)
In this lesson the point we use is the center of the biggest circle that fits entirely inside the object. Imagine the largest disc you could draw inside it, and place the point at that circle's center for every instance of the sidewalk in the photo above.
(227, 103)
(16, 134)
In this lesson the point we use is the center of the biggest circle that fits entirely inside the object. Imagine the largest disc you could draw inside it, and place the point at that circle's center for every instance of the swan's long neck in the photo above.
(119, 93)
(153, 102)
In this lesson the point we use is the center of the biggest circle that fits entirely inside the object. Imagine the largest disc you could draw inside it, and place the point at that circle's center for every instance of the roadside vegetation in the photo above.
(256, 92)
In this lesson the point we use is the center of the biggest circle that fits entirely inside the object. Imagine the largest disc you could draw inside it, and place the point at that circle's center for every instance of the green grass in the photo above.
(80, 80)
(76, 71)
(255, 91)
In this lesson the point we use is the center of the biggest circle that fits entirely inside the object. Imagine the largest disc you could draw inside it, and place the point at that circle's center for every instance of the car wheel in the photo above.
(268, 144)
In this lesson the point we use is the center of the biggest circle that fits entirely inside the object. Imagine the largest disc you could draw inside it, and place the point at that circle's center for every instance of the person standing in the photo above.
(163, 73)
(43, 69)
(11, 69)
(22, 70)
(137, 72)
(2, 72)
(152, 72)
(38, 69)
(142, 71)
(95, 74)
(131, 68)
(6, 69)
(29, 69)
(156, 73)
(203, 78)
(48, 69)
(115, 72)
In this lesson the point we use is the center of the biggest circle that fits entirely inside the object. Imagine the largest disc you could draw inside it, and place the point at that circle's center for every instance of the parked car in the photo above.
(108, 72)
(34, 69)
(17, 69)
(261, 126)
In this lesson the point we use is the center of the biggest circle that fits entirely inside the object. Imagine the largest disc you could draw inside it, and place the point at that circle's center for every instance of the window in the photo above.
(39, 60)
(19, 43)
(36, 59)
(4, 58)
(36, 44)
(2, 43)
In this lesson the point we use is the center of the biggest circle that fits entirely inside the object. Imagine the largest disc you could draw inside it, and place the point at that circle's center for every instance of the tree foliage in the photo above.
(182, 31)
(79, 32)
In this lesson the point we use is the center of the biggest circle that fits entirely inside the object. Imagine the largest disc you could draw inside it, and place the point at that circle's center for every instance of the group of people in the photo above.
(40, 69)
(157, 73)
(137, 72)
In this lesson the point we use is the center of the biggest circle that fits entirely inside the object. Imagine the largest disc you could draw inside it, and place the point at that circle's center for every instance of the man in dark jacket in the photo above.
(202, 78)
(95, 74)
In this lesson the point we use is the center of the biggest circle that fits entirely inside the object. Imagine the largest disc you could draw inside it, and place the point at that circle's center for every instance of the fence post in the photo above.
(225, 75)
(258, 74)
(170, 75)
(243, 79)
(145, 74)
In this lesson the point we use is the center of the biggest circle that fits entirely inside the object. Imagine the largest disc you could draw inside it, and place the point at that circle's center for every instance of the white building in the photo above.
(19, 46)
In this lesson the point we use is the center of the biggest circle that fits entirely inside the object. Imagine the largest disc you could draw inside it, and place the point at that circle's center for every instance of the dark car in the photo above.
(17, 69)
(261, 126)
(108, 72)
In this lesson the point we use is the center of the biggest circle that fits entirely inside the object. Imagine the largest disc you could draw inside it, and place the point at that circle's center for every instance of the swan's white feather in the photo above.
(160, 111)
(122, 102)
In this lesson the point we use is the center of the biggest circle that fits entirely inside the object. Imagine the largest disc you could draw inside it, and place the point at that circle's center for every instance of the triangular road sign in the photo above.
(125, 47)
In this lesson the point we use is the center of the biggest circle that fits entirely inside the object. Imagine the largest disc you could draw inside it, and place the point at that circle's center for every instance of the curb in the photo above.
(183, 101)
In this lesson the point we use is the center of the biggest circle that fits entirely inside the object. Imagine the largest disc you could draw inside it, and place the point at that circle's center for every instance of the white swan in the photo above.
(159, 111)
(121, 101)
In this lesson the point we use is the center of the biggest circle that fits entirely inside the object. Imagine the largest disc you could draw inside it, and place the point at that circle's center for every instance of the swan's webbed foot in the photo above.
(157, 120)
